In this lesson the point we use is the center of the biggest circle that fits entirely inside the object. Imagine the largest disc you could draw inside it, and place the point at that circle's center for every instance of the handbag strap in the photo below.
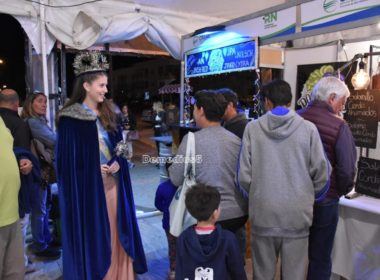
(190, 155)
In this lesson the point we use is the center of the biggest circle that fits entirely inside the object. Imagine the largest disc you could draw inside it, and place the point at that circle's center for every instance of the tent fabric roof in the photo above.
(163, 22)
(138, 46)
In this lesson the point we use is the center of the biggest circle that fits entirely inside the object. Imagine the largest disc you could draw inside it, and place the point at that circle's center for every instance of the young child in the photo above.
(164, 195)
(206, 251)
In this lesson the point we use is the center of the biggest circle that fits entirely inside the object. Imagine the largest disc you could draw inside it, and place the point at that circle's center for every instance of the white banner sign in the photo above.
(270, 25)
(324, 13)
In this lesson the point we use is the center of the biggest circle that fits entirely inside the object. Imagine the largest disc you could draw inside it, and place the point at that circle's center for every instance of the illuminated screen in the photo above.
(237, 57)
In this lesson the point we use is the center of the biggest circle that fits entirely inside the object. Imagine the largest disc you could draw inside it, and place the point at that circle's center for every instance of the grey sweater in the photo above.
(282, 167)
(219, 151)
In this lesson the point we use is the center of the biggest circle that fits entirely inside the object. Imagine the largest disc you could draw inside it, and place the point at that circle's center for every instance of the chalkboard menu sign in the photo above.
(361, 116)
(368, 178)
(222, 59)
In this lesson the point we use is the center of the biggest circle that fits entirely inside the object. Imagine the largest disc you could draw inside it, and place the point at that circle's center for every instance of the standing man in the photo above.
(11, 249)
(218, 151)
(327, 103)
(283, 168)
(9, 103)
(233, 121)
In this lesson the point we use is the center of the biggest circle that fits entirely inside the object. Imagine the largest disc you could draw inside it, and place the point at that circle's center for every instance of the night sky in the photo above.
(12, 70)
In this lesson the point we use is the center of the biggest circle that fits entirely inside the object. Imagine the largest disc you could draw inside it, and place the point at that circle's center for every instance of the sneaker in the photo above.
(30, 267)
(49, 254)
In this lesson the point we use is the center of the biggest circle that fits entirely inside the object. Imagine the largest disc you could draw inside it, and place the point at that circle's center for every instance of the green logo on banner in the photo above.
(330, 5)
(269, 18)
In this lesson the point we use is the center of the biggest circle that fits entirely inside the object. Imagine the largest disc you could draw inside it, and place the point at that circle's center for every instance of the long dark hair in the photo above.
(107, 114)
(27, 109)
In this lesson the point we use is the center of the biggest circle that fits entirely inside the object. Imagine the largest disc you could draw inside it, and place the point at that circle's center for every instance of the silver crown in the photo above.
(89, 61)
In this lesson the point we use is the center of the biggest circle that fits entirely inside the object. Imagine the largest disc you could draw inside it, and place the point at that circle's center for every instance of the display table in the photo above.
(356, 252)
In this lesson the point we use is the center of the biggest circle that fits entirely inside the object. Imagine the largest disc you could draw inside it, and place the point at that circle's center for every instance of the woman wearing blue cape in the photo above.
(100, 234)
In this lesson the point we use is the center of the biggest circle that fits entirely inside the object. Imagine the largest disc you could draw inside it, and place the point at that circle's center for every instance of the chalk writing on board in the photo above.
(368, 178)
(361, 116)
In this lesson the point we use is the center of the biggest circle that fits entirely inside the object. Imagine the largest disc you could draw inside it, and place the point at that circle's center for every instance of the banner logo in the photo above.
(330, 5)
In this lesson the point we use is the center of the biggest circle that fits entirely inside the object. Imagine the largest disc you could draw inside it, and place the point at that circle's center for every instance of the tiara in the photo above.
(89, 61)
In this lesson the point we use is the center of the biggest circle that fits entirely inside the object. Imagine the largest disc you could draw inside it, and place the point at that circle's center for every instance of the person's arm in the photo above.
(22, 136)
(244, 172)
(42, 132)
(158, 198)
(320, 168)
(345, 155)
(176, 170)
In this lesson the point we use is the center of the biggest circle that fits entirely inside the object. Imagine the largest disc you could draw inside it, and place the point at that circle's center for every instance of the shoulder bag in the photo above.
(180, 218)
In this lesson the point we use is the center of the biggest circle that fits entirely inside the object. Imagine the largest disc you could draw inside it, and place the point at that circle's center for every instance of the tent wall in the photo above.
(305, 56)
(325, 54)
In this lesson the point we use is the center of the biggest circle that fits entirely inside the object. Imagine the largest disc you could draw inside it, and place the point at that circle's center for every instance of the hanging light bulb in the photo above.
(361, 79)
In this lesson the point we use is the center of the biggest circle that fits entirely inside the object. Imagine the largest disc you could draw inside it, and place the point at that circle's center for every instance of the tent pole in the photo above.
(182, 96)
(63, 74)
(44, 59)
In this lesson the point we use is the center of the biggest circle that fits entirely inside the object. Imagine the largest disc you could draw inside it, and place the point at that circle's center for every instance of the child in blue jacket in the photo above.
(164, 195)
(206, 251)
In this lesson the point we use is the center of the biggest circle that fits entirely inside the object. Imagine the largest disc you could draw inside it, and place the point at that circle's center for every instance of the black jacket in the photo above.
(236, 125)
(19, 129)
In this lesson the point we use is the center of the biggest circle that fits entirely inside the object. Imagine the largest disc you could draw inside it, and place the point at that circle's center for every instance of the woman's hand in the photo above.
(25, 166)
(114, 167)
(105, 169)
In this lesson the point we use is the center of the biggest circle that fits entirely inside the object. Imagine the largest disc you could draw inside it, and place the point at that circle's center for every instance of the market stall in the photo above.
(340, 38)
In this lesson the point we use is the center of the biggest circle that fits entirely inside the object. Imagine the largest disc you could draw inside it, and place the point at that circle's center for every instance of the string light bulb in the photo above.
(361, 78)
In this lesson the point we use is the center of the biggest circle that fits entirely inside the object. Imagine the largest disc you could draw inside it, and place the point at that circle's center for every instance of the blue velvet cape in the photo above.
(85, 227)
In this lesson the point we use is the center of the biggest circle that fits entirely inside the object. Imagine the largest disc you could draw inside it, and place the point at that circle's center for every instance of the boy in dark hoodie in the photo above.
(206, 251)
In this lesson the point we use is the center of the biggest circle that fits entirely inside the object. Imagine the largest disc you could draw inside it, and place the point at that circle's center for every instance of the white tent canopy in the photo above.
(163, 22)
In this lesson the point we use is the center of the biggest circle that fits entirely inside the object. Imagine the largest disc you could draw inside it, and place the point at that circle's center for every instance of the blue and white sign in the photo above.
(236, 57)
(324, 13)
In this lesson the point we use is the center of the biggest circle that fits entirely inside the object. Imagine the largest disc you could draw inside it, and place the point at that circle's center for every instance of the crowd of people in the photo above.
(284, 173)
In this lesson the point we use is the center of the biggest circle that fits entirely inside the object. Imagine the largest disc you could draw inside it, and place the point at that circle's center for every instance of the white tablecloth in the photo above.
(356, 252)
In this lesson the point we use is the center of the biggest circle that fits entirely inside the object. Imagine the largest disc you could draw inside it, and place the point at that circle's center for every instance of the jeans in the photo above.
(40, 221)
(321, 239)
(24, 222)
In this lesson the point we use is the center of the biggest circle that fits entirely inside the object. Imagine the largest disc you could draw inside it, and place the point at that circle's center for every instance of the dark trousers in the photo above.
(172, 240)
(321, 240)
(40, 220)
